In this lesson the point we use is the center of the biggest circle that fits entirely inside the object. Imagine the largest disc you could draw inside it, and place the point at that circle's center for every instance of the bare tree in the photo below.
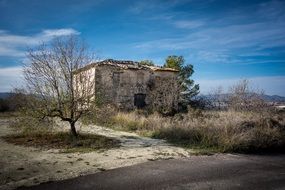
(52, 76)
(217, 98)
(243, 97)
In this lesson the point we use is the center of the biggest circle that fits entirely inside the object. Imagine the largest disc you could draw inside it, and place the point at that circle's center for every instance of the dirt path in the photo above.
(128, 140)
(29, 166)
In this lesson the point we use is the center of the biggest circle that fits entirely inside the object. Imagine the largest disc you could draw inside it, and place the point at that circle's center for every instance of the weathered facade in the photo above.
(129, 85)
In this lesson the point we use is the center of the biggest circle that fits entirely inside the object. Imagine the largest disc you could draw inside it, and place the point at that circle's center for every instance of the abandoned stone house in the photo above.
(129, 85)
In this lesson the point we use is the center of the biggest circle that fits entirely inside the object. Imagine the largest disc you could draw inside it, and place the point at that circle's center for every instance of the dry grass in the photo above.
(100, 116)
(40, 134)
(223, 131)
(26, 125)
(63, 141)
(4, 115)
(130, 121)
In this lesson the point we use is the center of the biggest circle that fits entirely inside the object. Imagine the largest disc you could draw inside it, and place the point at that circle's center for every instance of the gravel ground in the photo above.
(25, 166)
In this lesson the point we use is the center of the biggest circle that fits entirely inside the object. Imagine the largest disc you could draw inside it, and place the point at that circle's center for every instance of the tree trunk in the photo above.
(73, 129)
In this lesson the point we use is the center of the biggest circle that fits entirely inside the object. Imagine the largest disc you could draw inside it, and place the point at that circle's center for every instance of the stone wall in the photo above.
(120, 86)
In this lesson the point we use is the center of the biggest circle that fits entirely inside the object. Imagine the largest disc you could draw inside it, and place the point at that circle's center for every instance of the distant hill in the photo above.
(5, 95)
(273, 98)
(267, 98)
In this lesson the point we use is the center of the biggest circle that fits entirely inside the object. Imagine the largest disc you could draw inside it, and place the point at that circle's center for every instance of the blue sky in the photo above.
(225, 40)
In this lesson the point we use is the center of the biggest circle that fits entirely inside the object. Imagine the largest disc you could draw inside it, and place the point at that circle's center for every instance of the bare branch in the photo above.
(50, 76)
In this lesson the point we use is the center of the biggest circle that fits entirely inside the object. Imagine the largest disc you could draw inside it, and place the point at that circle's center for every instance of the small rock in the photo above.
(101, 169)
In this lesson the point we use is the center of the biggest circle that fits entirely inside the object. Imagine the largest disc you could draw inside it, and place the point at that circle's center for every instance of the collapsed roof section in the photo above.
(124, 64)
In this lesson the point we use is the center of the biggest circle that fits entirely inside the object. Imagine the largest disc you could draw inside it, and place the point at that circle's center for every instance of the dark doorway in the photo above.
(140, 100)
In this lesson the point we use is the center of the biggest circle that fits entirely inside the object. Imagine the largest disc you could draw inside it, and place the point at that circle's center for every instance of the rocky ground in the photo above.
(25, 166)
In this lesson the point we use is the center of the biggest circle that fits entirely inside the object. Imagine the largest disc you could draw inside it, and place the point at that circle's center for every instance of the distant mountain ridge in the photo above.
(273, 98)
(267, 98)
(5, 95)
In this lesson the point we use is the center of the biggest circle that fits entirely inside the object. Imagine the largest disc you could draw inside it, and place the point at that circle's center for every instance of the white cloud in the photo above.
(13, 45)
(188, 24)
(138, 7)
(10, 77)
(154, 5)
(272, 85)
(236, 31)
(59, 32)
(10, 71)
(4, 51)
(219, 43)
(213, 56)
(231, 37)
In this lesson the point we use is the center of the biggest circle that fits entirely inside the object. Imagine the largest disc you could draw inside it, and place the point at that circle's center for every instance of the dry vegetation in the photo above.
(40, 133)
(222, 131)
(247, 124)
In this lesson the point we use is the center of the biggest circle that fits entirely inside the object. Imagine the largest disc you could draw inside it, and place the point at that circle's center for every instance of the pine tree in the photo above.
(188, 88)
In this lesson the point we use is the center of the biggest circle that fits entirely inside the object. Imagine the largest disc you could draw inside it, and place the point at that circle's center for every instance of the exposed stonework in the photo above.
(129, 85)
